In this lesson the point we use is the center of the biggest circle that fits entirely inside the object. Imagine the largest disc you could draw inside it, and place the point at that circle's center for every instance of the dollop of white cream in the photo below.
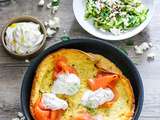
(66, 83)
(99, 117)
(23, 37)
(93, 99)
(51, 101)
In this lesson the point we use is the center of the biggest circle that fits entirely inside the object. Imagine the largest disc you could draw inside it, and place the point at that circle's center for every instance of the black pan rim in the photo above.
(80, 40)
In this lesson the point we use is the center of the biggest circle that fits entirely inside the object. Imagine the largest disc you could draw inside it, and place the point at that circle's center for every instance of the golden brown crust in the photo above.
(35, 88)
(100, 62)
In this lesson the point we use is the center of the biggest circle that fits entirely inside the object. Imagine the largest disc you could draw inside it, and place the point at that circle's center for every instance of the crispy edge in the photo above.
(35, 87)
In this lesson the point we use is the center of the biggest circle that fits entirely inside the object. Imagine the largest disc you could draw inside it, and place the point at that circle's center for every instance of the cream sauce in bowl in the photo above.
(23, 37)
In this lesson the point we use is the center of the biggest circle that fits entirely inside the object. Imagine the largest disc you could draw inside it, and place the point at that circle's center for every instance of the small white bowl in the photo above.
(79, 11)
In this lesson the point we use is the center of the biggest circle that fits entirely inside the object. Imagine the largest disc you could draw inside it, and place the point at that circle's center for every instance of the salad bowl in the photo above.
(79, 8)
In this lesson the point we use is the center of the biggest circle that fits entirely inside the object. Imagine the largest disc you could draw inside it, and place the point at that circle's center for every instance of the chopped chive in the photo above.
(55, 2)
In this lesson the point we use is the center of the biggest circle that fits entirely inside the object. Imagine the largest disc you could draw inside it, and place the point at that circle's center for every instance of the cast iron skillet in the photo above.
(88, 45)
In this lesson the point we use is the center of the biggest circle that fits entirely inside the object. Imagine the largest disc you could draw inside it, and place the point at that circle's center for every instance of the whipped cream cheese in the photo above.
(98, 117)
(51, 101)
(23, 37)
(93, 99)
(66, 83)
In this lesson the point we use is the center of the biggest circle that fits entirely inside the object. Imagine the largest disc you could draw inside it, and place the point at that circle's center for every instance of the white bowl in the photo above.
(79, 11)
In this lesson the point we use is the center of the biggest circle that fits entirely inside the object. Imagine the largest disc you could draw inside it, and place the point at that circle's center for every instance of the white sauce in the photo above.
(52, 102)
(98, 117)
(24, 37)
(66, 83)
(93, 99)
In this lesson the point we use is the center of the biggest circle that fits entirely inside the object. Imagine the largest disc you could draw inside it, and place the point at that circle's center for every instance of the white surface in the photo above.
(79, 11)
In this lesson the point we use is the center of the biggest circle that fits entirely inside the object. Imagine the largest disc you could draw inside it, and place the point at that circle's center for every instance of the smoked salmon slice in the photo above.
(41, 113)
(61, 66)
(105, 80)
(84, 116)
(56, 115)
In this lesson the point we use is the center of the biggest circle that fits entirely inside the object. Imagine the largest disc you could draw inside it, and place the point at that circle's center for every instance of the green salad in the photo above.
(116, 16)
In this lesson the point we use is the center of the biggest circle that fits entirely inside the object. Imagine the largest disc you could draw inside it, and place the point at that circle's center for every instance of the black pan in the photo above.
(88, 45)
